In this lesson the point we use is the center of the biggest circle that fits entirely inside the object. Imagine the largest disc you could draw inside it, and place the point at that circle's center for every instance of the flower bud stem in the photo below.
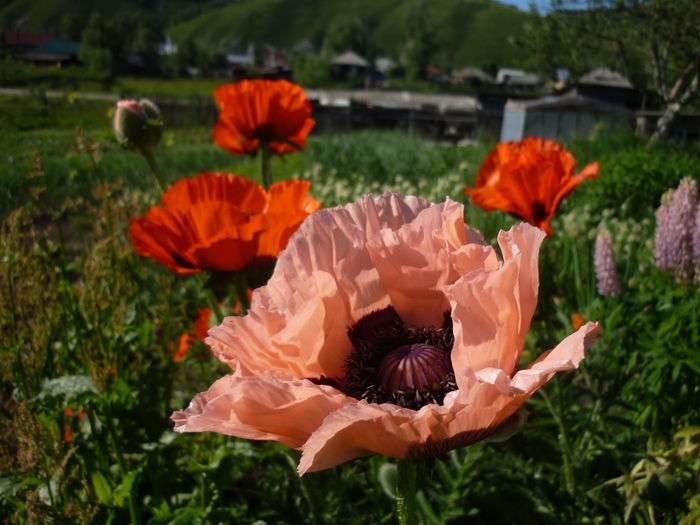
(406, 493)
(155, 170)
(265, 171)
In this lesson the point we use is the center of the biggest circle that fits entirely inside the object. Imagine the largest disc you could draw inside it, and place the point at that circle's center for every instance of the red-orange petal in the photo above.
(209, 222)
(255, 111)
(289, 204)
(527, 179)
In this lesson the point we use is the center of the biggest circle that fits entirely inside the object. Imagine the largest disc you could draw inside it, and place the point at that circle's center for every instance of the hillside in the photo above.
(479, 32)
(465, 32)
(48, 15)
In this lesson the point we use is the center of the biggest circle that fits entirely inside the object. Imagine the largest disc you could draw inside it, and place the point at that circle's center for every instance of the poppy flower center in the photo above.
(539, 212)
(265, 133)
(414, 366)
(394, 362)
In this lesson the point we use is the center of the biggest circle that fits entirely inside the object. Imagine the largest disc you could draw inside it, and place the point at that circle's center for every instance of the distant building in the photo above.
(22, 42)
(348, 65)
(55, 52)
(608, 86)
(605, 77)
(471, 75)
(245, 59)
(562, 75)
(275, 59)
(561, 117)
(167, 48)
(303, 47)
(384, 65)
(517, 77)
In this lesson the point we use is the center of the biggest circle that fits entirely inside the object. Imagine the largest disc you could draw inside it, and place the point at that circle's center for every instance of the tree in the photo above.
(71, 26)
(350, 33)
(96, 48)
(188, 55)
(421, 48)
(656, 43)
(311, 71)
(146, 43)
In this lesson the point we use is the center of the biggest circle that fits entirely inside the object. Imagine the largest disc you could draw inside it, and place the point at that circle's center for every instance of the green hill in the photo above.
(465, 32)
(471, 32)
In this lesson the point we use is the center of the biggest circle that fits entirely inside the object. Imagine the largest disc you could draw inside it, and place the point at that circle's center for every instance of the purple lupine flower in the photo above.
(662, 245)
(681, 224)
(605, 269)
(676, 218)
(696, 239)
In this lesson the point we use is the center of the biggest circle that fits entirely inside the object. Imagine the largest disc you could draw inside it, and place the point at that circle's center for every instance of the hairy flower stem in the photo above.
(133, 512)
(241, 286)
(406, 493)
(155, 170)
(265, 168)
(565, 447)
(292, 462)
(214, 305)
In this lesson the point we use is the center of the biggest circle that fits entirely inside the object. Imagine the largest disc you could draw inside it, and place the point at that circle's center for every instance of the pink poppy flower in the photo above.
(387, 327)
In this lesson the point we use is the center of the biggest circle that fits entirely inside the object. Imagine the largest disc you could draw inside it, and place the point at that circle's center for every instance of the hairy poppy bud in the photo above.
(138, 125)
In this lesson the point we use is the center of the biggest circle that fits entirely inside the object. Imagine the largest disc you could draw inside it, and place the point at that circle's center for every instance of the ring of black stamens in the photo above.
(377, 334)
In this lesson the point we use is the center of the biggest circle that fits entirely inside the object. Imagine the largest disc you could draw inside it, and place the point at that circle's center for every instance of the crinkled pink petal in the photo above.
(323, 282)
(489, 397)
(416, 260)
(566, 356)
(362, 429)
(492, 310)
(262, 407)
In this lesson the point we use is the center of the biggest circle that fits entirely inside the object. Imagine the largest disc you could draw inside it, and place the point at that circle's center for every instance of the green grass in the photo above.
(339, 166)
(176, 87)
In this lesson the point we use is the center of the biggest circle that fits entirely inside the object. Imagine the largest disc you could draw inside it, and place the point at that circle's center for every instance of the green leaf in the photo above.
(124, 488)
(387, 479)
(102, 488)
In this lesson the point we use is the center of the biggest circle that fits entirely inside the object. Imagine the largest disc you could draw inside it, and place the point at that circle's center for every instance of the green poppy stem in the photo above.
(406, 493)
(214, 305)
(265, 166)
(155, 170)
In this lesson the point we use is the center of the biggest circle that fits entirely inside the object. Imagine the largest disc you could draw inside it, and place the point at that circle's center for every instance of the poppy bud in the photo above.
(138, 125)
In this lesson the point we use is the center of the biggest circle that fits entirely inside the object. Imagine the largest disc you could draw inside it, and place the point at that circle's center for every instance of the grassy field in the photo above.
(88, 331)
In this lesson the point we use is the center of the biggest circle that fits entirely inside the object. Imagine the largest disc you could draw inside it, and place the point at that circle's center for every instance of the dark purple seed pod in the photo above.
(415, 366)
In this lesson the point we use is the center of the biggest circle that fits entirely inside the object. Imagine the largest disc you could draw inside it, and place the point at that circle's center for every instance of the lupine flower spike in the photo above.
(605, 269)
(675, 230)
(696, 245)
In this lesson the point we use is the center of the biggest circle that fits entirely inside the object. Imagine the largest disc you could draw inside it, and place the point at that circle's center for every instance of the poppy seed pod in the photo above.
(138, 125)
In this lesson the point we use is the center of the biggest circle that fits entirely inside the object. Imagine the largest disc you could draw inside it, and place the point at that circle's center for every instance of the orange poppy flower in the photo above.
(220, 222)
(253, 112)
(528, 179)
